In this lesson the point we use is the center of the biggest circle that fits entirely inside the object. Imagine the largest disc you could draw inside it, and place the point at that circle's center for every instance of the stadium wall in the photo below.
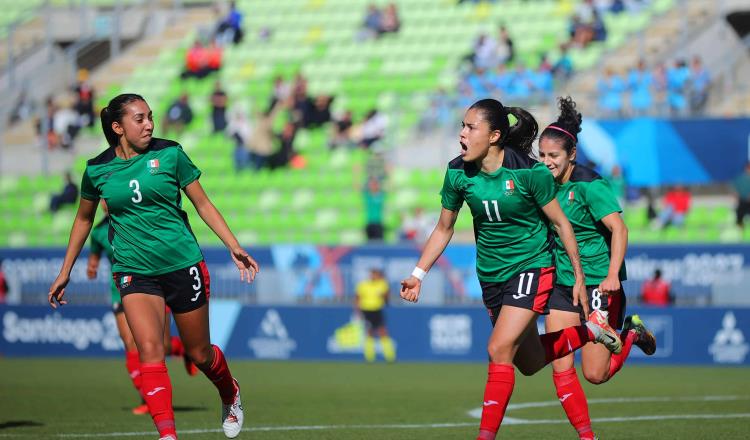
(293, 274)
(709, 336)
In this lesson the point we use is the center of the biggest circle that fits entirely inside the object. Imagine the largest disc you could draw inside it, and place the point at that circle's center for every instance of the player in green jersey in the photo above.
(172, 344)
(157, 260)
(593, 210)
(512, 201)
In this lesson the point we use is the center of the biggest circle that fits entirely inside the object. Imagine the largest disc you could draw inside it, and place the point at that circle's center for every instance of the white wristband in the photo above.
(418, 273)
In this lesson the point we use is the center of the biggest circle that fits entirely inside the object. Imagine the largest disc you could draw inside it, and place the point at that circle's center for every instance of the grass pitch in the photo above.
(92, 398)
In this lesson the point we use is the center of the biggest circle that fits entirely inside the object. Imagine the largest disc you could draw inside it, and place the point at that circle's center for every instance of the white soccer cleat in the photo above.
(232, 415)
(168, 437)
(603, 333)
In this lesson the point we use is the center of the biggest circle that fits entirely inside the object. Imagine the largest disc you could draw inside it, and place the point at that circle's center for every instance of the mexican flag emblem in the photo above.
(571, 197)
(153, 165)
(509, 187)
(125, 280)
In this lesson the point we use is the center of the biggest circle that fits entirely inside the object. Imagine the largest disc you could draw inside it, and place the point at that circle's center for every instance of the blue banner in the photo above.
(708, 336)
(669, 151)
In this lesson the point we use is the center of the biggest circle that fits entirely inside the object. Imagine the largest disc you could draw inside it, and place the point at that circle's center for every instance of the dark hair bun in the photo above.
(570, 118)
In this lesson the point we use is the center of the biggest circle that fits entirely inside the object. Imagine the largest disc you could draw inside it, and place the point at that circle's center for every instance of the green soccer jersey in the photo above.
(510, 229)
(585, 199)
(100, 245)
(150, 231)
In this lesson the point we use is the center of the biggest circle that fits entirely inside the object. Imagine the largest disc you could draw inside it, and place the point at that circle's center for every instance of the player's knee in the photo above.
(596, 376)
(202, 356)
(151, 351)
(500, 351)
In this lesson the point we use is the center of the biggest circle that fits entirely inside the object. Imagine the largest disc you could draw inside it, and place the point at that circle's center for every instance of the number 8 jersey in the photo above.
(149, 231)
(510, 229)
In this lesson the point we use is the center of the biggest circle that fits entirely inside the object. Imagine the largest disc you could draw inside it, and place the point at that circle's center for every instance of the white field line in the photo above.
(506, 421)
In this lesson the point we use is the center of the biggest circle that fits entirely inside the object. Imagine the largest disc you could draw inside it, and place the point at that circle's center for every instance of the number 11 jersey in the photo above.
(510, 229)
(149, 231)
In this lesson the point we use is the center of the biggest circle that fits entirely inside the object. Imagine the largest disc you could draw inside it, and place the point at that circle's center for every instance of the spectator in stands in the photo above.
(229, 29)
(610, 94)
(214, 54)
(61, 125)
(67, 196)
(656, 291)
(660, 89)
(3, 285)
(504, 52)
(261, 143)
(675, 207)
(341, 131)
(741, 185)
(484, 55)
(439, 114)
(563, 68)
(371, 24)
(179, 115)
(618, 185)
(417, 227)
(374, 205)
(389, 21)
(640, 81)
(240, 131)
(84, 104)
(286, 152)
(320, 113)
(700, 80)
(281, 92)
(219, 108)
(371, 299)
(196, 62)
(373, 128)
(678, 78)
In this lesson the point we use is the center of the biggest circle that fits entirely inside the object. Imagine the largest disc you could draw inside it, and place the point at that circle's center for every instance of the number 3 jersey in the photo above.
(511, 231)
(149, 231)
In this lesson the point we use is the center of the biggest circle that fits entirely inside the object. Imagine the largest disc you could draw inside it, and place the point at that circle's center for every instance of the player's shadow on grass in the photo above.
(19, 424)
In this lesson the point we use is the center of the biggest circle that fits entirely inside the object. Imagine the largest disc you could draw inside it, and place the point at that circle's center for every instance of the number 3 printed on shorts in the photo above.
(596, 299)
(136, 187)
(197, 286)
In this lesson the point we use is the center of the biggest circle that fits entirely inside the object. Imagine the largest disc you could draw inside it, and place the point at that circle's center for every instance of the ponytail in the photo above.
(113, 112)
(521, 136)
(567, 126)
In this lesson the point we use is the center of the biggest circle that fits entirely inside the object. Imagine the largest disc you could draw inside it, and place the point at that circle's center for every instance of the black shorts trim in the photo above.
(562, 299)
(529, 290)
(183, 290)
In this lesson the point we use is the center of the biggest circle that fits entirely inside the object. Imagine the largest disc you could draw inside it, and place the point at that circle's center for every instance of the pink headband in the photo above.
(554, 127)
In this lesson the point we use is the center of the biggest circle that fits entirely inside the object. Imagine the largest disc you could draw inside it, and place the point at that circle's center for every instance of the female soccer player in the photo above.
(172, 344)
(511, 198)
(157, 259)
(592, 208)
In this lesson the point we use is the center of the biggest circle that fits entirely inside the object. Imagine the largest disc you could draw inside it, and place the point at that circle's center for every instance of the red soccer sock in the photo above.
(563, 342)
(157, 390)
(133, 364)
(177, 348)
(573, 401)
(497, 392)
(222, 378)
(617, 360)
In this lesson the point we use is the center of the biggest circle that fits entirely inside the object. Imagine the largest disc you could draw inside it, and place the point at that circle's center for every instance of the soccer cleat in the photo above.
(168, 437)
(190, 367)
(140, 409)
(603, 333)
(645, 340)
(232, 415)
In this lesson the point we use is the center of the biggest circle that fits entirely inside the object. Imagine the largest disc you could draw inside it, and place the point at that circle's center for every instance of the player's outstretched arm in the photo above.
(434, 247)
(619, 244)
(564, 230)
(247, 266)
(79, 232)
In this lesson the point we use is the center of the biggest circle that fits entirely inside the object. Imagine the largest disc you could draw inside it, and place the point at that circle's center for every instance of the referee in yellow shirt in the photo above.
(372, 296)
